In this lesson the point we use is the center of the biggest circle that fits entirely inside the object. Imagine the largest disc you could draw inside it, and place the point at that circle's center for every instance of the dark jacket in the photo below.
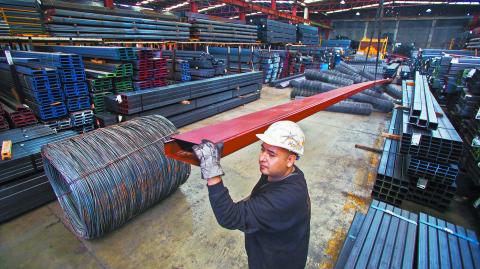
(275, 219)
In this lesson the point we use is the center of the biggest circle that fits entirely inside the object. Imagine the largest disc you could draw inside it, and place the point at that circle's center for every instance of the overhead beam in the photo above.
(240, 132)
(270, 11)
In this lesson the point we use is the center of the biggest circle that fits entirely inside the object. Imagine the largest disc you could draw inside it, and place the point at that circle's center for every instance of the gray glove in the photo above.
(209, 155)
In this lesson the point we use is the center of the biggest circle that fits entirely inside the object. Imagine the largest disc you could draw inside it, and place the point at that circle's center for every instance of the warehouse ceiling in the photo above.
(323, 8)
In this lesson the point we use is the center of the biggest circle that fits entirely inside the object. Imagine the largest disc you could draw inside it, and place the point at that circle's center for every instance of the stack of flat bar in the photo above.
(76, 21)
(22, 17)
(432, 163)
(23, 184)
(97, 52)
(442, 244)
(201, 64)
(275, 32)
(307, 35)
(270, 65)
(383, 238)
(391, 184)
(211, 30)
(422, 111)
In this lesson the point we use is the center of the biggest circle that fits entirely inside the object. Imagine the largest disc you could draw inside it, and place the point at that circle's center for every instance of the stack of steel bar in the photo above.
(64, 20)
(69, 75)
(211, 30)
(149, 70)
(19, 116)
(3, 121)
(270, 65)
(391, 70)
(191, 101)
(405, 72)
(22, 17)
(85, 170)
(237, 60)
(202, 65)
(307, 35)
(104, 119)
(383, 238)
(338, 43)
(391, 184)
(473, 43)
(432, 163)
(442, 244)
(105, 63)
(422, 111)
(390, 237)
(274, 32)
(99, 87)
(39, 84)
(23, 184)
(178, 70)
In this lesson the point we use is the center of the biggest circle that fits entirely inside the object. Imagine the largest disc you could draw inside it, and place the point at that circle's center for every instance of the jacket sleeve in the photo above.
(275, 211)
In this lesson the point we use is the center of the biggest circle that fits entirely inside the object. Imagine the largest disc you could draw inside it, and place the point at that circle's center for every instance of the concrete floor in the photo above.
(181, 231)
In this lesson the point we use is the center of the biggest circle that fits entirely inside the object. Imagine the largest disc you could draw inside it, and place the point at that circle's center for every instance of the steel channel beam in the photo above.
(241, 132)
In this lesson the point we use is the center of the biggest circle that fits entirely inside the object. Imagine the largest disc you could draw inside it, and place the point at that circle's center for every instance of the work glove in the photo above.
(209, 155)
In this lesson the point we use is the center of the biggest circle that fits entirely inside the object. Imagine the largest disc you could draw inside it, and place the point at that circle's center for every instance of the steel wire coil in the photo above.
(321, 76)
(106, 177)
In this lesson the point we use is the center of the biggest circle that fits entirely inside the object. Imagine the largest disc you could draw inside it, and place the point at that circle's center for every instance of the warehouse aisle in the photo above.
(181, 231)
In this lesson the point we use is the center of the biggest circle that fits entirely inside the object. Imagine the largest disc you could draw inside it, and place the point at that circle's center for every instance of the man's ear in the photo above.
(291, 160)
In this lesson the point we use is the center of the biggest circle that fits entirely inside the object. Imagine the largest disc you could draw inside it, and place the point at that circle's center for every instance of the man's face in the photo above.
(275, 161)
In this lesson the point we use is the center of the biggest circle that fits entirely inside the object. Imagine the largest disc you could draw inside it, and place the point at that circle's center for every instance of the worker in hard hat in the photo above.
(276, 216)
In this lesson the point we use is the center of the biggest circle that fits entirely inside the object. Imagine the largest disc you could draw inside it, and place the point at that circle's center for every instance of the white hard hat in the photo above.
(284, 134)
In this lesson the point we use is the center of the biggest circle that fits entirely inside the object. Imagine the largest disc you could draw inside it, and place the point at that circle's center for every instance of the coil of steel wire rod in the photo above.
(350, 107)
(321, 76)
(106, 177)
(316, 86)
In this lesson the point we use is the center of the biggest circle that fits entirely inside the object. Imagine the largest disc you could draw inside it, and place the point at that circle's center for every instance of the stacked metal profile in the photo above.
(237, 60)
(22, 17)
(149, 70)
(98, 88)
(19, 116)
(274, 32)
(23, 184)
(391, 70)
(68, 73)
(202, 65)
(39, 82)
(211, 30)
(74, 20)
(391, 184)
(338, 43)
(270, 65)
(190, 101)
(178, 70)
(389, 237)
(307, 35)
(442, 244)
(433, 155)
(405, 72)
(383, 238)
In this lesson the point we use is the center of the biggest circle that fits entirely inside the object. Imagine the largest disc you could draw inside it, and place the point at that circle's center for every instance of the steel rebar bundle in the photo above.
(106, 177)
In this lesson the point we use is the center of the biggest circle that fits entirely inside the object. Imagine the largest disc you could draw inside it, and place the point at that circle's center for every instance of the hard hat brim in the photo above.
(267, 139)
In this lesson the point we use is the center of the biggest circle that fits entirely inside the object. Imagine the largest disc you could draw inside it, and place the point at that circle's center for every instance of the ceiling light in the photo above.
(342, 2)
(358, 13)
(428, 10)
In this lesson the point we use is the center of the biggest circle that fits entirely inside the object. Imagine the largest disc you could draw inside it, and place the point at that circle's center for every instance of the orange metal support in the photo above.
(193, 6)
(265, 10)
(240, 132)
(108, 3)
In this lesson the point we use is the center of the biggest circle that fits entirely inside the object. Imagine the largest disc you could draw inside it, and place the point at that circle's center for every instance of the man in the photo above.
(276, 216)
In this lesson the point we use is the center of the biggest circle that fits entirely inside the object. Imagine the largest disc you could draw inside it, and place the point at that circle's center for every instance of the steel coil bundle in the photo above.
(321, 76)
(106, 177)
